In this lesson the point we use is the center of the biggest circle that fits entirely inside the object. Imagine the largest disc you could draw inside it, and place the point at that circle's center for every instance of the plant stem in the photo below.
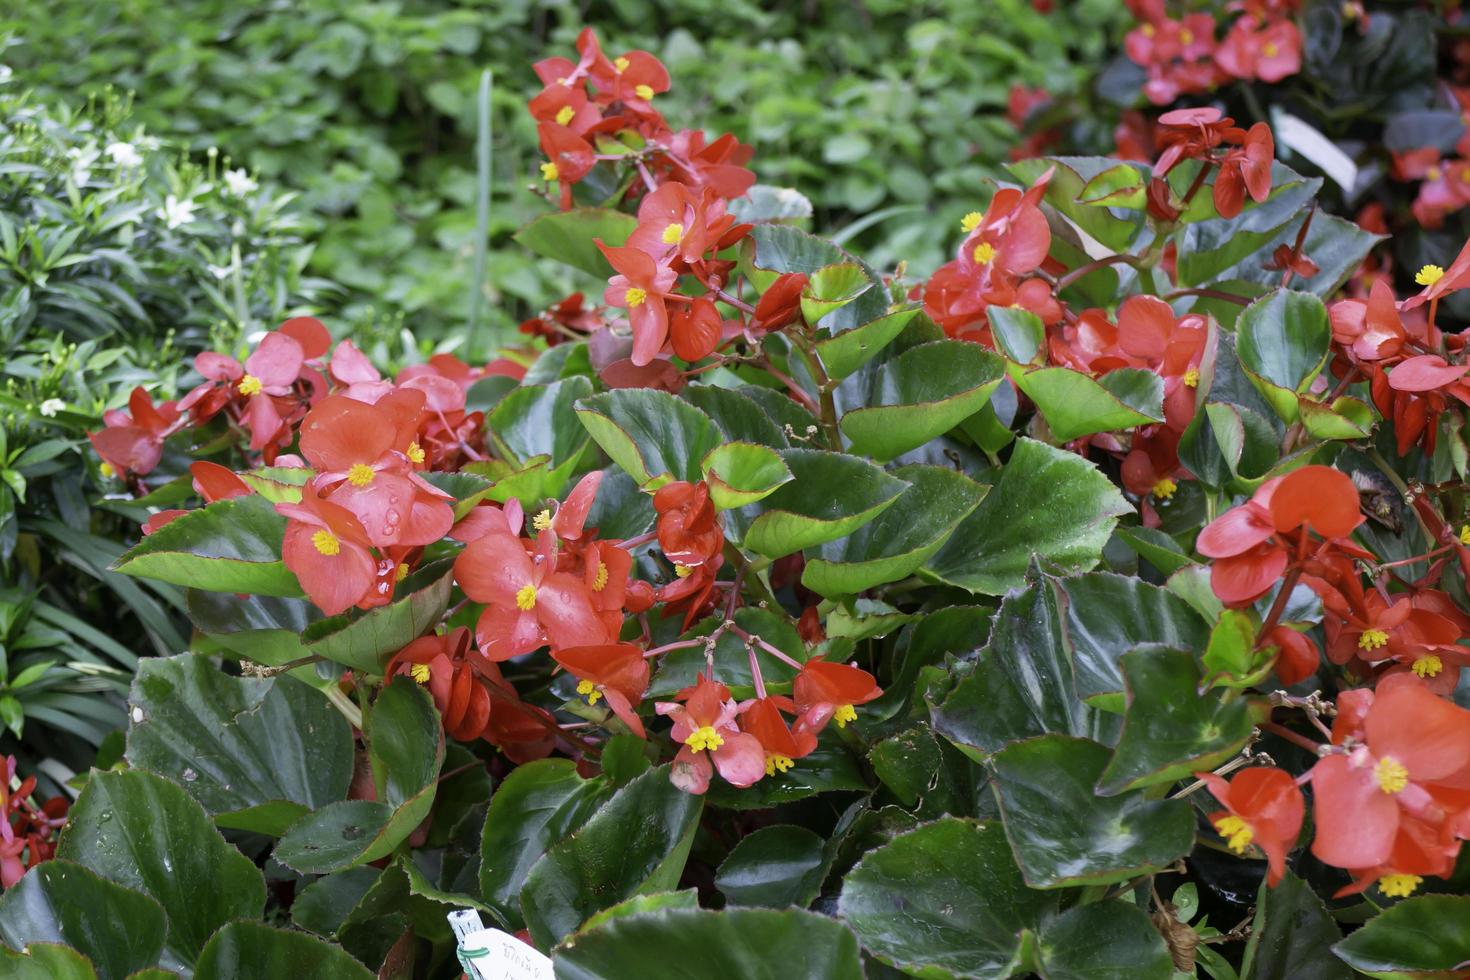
(482, 210)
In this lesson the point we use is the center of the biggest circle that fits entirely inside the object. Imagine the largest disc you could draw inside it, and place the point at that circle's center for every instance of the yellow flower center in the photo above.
(675, 231)
(565, 115)
(844, 714)
(1268, 49)
(1428, 666)
(1432, 174)
(621, 64)
(704, 738)
(644, 92)
(1391, 775)
(1465, 533)
(1399, 886)
(107, 470)
(542, 520)
(1191, 378)
(599, 582)
(984, 253)
(971, 221)
(415, 453)
(250, 385)
(683, 571)
(1372, 639)
(636, 297)
(526, 598)
(1430, 274)
(1237, 833)
(778, 763)
(326, 543)
(401, 572)
(419, 673)
(549, 172)
(589, 691)
(1186, 36)
(1148, 30)
(1165, 488)
(360, 474)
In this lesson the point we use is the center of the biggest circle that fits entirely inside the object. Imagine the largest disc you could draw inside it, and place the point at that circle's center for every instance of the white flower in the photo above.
(177, 212)
(51, 406)
(219, 271)
(5, 73)
(124, 154)
(239, 182)
(82, 158)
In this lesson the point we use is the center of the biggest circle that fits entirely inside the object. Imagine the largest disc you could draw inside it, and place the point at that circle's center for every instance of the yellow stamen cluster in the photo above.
(107, 470)
(565, 115)
(778, 763)
(1430, 274)
(360, 474)
(1270, 49)
(971, 221)
(401, 572)
(549, 171)
(1165, 488)
(683, 571)
(1391, 775)
(844, 714)
(1186, 36)
(1372, 639)
(1399, 886)
(636, 297)
(419, 673)
(249, 385)
(542, 520)
(1428, 666)
(621, 64)
(1431, 175)
(644, 92)
(984, 253)
(704, 738)
(1191, 378)
(415, 453)
(589, 691)
(526, 598)
(1237, 833)
(1148, 30)
(326, 543)
(1465, 533)
(599, 581)
(672, 233)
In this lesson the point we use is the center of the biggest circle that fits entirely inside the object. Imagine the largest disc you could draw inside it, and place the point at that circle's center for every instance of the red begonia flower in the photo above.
(1264, 807)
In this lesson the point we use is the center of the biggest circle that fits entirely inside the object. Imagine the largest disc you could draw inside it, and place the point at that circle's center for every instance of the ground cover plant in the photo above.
(1092, 607)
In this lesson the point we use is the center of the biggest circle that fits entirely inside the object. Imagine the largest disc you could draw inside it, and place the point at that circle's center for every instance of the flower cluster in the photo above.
(27, 832)
(1184, 56)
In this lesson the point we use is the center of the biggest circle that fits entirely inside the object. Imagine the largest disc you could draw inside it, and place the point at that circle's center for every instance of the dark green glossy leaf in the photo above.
(235, 743)
(1018, 332)
(738, 415)
(1075, 405)
(1048, 503)
(621, 510)
(229, 546)
(845, 352)
(1292, 934)
(1109, 940)
(920, 394)
(635, 842)
(256, 951)
(144, 832)
(407, 742)
(571, 237)
(322, 906)
(363, 640)
(1070, 176)
(832, 495)
(679, 669)
(832, 287)
(776, 866)
(1283, 340)
(652, 435)
(1155, 547)
(672, 944)
(944, 900)
(538, 421)
(1064, 834)
(1208, 249)
(781, 248)
(536, 806)
(47, 961)
(831, 768)
(119, 929)
(899, 540)
(333, 837)
(641, 904)
(1171, 730)
(1418, 937)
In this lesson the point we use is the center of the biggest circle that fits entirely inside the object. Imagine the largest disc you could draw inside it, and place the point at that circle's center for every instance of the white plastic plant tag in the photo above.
(1306, 140)
(489, 954)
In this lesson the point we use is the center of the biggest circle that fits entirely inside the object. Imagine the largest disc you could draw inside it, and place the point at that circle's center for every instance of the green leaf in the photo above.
(831, 287)
(781, 248)
(1418, 937)
(944, 900)
(229, 546)
(335, 837)
(1109, 940)
(571, 237)
(846, 351)
(1022, 682)
(675, 943)
(831, 496)
(322, 906)
(407, 742)
(1209, 249)
(776, 867)
(1171, 730)
(1346, 418)
(655, 437)
(765, 204)
(1231, 648)
(831, 768)
(1064, 834)
(742, 473)
(119, 929)
(1122, 186)
(679, 669)
(538, 421)
(1107, 615)
(641, 904)
(1075, 405)
(467, 489)
(256, 951)
(1154, 546)
(920, 394)
(738, 415)
(636, 842)
(144, 832)
(364, 640)
(47, 961)
(1048, 502)
(1283, 340)
(899, 540)
(1069, 179)
(235, 743)
(1018, 332)
(1292, 929)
